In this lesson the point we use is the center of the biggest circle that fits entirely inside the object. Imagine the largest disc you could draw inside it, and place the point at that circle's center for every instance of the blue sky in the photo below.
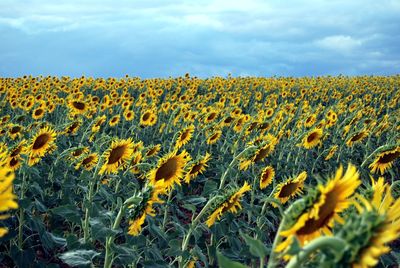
(205, 38)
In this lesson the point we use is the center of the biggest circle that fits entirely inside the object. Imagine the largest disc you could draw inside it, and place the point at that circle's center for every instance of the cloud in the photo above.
(206, 38)
(341, 43)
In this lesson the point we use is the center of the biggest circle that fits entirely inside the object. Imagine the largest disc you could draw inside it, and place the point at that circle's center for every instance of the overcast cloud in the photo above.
(205, 38)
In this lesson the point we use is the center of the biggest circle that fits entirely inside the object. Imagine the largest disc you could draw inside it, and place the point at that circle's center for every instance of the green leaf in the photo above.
(99, 230)
(79, 257)
(68, 212)
(224, 262)
(257, 248)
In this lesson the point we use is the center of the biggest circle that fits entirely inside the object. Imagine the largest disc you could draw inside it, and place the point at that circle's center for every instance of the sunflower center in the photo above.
(41, 141)
(77, 152)
(146, 116)
(38, 112)
(116, 154)
(262, 153)
(15, 129)
(184, 135)
(78, 105)
(288, 189)
(167, 170)
(325, 214)
(357, 137)
(13, 162)
(313, 136)
(266, 175)
(87, 160)
(211, 116)
(387, 158)
(196, 168)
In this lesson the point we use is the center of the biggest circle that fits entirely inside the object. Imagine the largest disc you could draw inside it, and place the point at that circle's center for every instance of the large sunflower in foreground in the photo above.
(7, 198)
(42, 143)
(117, 156)
(170, 168)
(318, 219)
(385, 160)
(290, 188)
(368, 232)
(230, 203)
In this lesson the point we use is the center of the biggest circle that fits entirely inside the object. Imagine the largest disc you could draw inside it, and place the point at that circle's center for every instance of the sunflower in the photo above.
(359, 136)
(117, 155)
(78, 152)
(313, 138)
(139, 212)
(114, 120)
(153, 150)
(38, 113)
(266, 177)
(148, 118)
(318, 219)
(73, 127)
(7, 198)
(170, 168)
(184, 136)
(310, 121)
(385, 160)
(77, 106)
(231, 203)
(376, 224)
(290, 188)
(42, 143)
(98, 122)
(331, 152)
(197, 167)
(214, 137)
(15, 131)
(136, 158)
(88, 162)
(129, 115)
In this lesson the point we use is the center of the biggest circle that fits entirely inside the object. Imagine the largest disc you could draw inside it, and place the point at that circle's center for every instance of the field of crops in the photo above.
(189, 172)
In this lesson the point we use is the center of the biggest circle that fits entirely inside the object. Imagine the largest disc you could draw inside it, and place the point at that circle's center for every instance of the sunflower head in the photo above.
(117, 156)
(385, 160)
(42, 142)
(170, 168)
(266, 177)
(229, 202)
(196, 167)
(290, 188)
(313, 138)
(368, 230)
(184, 136)
(323, 208)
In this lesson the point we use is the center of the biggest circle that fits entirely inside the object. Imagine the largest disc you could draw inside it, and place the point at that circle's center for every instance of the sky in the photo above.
(205, 38)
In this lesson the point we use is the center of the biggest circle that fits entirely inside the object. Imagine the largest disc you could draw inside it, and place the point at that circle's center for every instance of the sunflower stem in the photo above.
(333, 243)
(21, 213)
(235, 159)
(166, 210)
(193, 227)
(110, 239)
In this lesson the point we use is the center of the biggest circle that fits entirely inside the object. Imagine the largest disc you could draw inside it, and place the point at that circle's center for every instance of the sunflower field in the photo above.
(189, 172)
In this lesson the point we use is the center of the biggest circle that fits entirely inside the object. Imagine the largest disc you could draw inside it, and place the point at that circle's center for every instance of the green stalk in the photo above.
(223, 178)
(21, 214)
(110, 239)
(166, 210)
(193, 226)
(334, 243)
